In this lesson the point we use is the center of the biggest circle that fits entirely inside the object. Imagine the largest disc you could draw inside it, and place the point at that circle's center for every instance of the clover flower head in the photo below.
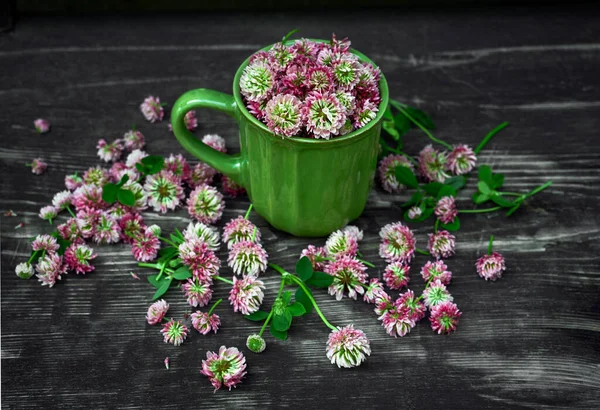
(190, 120)
(246, 294)
(348, 347)
(215, 141)
(132, 224)
(164, 191)
(45, 243)
(145, 246)
(374, 291)
(24, 270)
(436, 271)
(396, 275)
(38, 166)
(346, 72)
(152, 109)
(365, 113)
(86, 222)
(134, 140)
(433, 164)
(225, 368)
(397, 243)
(444, 317)
(78, 256)
(74, 181)
(202, 261)
(240, 229)
(203, 233)
(407, 300)
(324, 114)
(157, 311)
(316, 255)
(441, 244)
(491, 267)
(349, 276)
(415, 212)
(48, 213)
(395, 319)
(346, 99)
(368, 76)
(257, 81)
(294, 81)
(41, 125)
(387, 172)
(257, 109)
(436, 293)
(50, 268)
(339, 46)
(201, 173)
(320, 78)
(96, 176)
(178, 165)
(445, 209)
(328, 57)
(342, 243)
(204, 323)
(247, 258)
(354, 231)
(231, 188)
(174, 332)
(62, 200)
(256, 343)
(88, 197)
(260, 57)
(284, 115)
(197, 293)
(461, 160)
(383, 304)
(69, 230)
(109, 152)
(206, 204)
(280, 56)
(135, 157)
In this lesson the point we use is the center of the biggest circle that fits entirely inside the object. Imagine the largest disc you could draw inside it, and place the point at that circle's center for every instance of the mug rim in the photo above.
(383, 90)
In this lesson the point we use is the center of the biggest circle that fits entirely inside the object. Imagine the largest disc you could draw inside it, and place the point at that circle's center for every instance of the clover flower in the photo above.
(178, 165)
(48, 213)
(436, 293)
(445, 209)
(69, 230)
(328, 57)
(247, 258)
(441, 244)
(374, 291)
(226, 368)
(339, 46)
(320, 79)
(205, 204)
(281, 56)
(256, 343)
(348, 347)
(284, 115)
(145, 246)
(257, 109)
(174, 332)
(134, 140)
(197, 255)
(140, 196)
(109, 152)
(74, 181)
(491, 267)
(396, 319)
(203, 233)
(132, 225)
(215, 141)
(432, 164)
(397, 243)
(246, 294)
(157, 311)
(415, 212)
(86, 222)
(204, 323)
(387, 172)
(238, 230)
(45, 243)
(200, 174)
(444, 317)
(348, 277)
(190, 120)
(416, 309)
(96, 176)
(164, 191)
(197, 293)
(50, 268)
(78, 256)
(316, 255)
(41, 125)
(294, 81)
(365, 113)
(135, 157)
(346, 99)
(231, 188)
(396, 275)
(461, 160)
(257, 81)
(324, 114)
(436, 271)
(24, 270)
(107, 230)
(87, 198)
(38, 166)
(383, 304)
(368, 75)
(155, 229)
(62, 200)
(354, 231)
(152, 109)
(342, 243)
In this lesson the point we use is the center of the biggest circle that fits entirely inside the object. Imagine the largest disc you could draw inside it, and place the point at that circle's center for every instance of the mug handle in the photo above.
(229, 165)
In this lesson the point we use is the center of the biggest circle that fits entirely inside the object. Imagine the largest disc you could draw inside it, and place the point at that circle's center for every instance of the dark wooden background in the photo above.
(531, 340)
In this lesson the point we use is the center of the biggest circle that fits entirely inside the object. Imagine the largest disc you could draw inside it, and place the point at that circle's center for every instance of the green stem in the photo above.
(510, 193)
(277, 268)
(33, 256)
(437, 224)
(149, 265)
(264, 326)
(248, 212)
(479, 211)
(222, 279)
(360, 255)
(422, 252)
(490, 245)
(387, 147)
(418, 124)
(489, 136)
(253, 239)
(68, 208)
(168, 241)
(364, 262)
(214, 306)
(538, 189)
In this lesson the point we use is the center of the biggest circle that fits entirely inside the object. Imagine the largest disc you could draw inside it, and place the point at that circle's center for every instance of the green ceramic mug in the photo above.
(307, 187)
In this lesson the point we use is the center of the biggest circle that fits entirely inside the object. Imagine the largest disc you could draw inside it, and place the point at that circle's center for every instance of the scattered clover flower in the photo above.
(238, 230)
(96, 176)
(132, 225)
(87, 221)
(215, 141)
(197, 293)
(348, 347)
(257, 81)
(166, 361)
(41, 125)
(316, 255)
(201, 173)
(324, 114)
(152, 109)
(88, 197)
(190, 120)
(354, 231)
(174, 332)
(349, 276)
(107, 230)
(155, 229)
(164, 191)
(109, 152)
(415, 212)
(78, 256)
(436, 271)
(387, 172)
(45, 243)
(444, 317)
(197, 255)
(204, 323)
(206, 204)
(204, 233)
(433, 164)
(374, 291)
(416, 309)
(246, 294)
(157, 311)
(491, 267)
(69, 230)
(48, 213)
(38, 166)
(24, 270)
(441, 244)
(72, 182)
(145, 246)
(226, 368)
(445, 209)
(395, 318)
(397, 243)
(62, 200)
(135, 157)
(178, 165)
(461, 160)
(396, 275)
(256, 344)
(231, 188)
(247, 258)
(50, 268)
(134, 140)
(284, 115)
(436, 293)
(342, 243)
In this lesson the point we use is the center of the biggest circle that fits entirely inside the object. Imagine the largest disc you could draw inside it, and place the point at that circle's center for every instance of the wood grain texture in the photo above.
(531, 340)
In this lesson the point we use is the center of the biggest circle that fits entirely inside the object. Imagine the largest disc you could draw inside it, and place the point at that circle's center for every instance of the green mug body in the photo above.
(306, 187)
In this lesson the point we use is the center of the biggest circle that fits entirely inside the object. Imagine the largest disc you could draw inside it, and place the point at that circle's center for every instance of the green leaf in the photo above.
(446, 190)
(277, 334)
(296, 309)
(480, 198)
(320, 280)
(176, 239)
(179, 234)
(402, 123)
(282, 322)
(301, 297)
(433, 188)
(304, 268)
(126, 197)
(109, 193)
(153, 164)
(406, 177)
(157, 283)
(485, 174)
(500, 200)
(167, 253)
(452, 226)
(182, 273)
(387, 115)
(421, 117)
(163, 289)
(123, 180)
(497, 181)
(426, 214)
(414, 199)
(286, 297)
(484, 188)
(63, 245)
(456, 182)
(141, 167)
(257, 316)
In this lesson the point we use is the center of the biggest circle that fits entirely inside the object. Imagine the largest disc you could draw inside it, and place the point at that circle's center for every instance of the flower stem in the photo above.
(437, 224)
(489, 136)
(253, 235)
(68, 208)
(214, 306)
(222, 279)
(148, 265)
(369, 264)
(264, 326)
(538, 189)
(248, 212)
(33, 256)
(490, 245)
(479, 211)
(418, 124)
(510, 193)
(168, 241)
(422, 252)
